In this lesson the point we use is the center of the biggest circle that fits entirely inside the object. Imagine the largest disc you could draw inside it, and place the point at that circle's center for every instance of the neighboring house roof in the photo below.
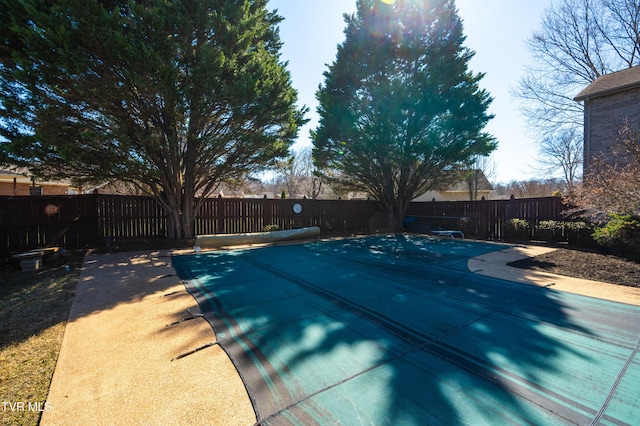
(611, 83)
(264, 194)
(231, 194)
(463, 185)
(11, 174)
(460, 190)
(22, 176)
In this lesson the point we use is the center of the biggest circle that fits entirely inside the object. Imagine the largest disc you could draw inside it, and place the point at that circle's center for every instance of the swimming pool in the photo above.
(396, 330)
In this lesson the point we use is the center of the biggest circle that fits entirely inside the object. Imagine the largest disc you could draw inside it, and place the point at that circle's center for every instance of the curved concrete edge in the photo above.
(117, 363)
(494, 265)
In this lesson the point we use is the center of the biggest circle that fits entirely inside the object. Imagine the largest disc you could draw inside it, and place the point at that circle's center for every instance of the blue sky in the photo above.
(496, 30)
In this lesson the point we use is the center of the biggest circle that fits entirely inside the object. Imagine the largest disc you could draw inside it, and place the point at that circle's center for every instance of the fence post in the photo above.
(483, 230)
(219, 215)
(266, 211)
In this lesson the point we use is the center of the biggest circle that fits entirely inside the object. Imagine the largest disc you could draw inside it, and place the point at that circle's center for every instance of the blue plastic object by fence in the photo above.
(396, 330)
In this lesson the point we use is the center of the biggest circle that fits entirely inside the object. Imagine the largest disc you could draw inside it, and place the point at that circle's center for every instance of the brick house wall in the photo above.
(24, 189)
(54, 189)
(16, 184)
(608, 102)
(604, 117)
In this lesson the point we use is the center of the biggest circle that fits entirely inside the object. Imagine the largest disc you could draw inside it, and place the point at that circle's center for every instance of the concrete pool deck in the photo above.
(131, 318)
(495, 265)
(117, 362)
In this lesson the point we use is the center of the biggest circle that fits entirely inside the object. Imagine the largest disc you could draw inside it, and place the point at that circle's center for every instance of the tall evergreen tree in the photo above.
(173, 97)
(400, 113)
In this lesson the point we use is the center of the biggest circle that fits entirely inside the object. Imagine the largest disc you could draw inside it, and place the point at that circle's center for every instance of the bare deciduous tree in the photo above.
(298, 174)
(528, 188)
(577, 42)
(614, 187)
(483, 167)
(563, 151)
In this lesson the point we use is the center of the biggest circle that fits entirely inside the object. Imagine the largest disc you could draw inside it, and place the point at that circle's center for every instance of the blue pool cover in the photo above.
(394, 330)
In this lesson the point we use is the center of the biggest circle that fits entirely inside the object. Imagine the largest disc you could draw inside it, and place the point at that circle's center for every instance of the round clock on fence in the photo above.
(297, 208)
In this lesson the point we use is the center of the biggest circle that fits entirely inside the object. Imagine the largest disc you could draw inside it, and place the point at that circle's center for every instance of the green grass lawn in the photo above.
(34, 307)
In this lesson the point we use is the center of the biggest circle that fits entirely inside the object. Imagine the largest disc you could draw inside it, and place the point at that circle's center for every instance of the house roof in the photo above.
(462, 186)
(611, 83)
(227, 193)
(22, 175)
(14, 172)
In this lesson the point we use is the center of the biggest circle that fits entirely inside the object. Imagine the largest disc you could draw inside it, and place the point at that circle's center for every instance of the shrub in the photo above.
(550, 230)
(574, 232)
(271, 228)
(516, 229)
(576, 226)
(579, 233)
(620, 234)
(550, 225)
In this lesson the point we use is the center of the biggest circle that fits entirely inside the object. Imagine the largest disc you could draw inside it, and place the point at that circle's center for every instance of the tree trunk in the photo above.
(398, 223)
(188, 217)
(180, 220)
(180, 226)
(399, 209)
(173, 224)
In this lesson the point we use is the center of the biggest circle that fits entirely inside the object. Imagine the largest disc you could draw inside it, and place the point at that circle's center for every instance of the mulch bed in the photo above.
(587, 265)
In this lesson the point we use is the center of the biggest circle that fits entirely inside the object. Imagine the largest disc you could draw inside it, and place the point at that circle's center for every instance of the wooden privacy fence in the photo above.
(32, 222)
(228, 215)
(94, 220)
(91, 220)
(488, 219)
